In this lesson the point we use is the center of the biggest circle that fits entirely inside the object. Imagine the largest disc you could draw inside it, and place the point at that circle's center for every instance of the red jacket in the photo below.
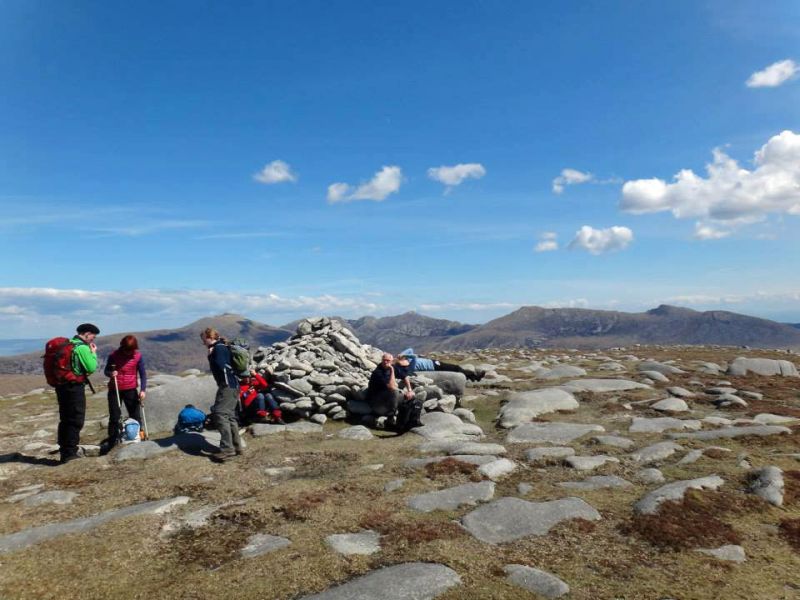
(250, 387)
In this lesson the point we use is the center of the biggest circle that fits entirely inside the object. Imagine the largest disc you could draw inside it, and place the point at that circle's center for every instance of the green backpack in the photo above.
(240, 356)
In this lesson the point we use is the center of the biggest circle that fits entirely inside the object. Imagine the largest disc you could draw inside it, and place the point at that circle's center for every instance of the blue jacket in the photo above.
(417, 363)
(219, 359)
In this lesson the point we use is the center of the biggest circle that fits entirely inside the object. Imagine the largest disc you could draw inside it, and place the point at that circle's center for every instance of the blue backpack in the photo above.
(190, 419)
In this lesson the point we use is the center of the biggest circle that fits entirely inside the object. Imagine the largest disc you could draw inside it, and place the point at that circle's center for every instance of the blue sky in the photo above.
(131, 135)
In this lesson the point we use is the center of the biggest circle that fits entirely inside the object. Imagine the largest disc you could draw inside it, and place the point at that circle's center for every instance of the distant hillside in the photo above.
(167, 350)
(532, 326)
(394, 334)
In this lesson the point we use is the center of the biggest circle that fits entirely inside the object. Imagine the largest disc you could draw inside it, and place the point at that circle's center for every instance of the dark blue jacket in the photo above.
(219, 359)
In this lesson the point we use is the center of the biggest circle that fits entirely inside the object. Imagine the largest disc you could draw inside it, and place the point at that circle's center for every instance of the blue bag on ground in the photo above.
(190, 419)
(131, 430)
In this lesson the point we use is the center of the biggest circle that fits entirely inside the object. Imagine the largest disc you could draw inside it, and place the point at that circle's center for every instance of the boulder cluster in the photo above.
(322, 373)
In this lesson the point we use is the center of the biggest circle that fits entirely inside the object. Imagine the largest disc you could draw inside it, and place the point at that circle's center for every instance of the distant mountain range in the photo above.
(174, 350)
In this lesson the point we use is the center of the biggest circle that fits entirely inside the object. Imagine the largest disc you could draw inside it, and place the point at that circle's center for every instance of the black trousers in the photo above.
(131, 400)
(385, 402)
(440, 366)
(71, 415)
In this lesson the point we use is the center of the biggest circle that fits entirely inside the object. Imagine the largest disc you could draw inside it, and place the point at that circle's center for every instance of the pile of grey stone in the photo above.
(318, 369)
(322, 373)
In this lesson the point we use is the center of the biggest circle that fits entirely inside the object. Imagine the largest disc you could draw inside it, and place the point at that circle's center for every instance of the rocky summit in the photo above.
(632, 472)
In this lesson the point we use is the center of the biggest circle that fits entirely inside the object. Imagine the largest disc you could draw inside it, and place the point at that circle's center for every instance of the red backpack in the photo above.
(58, 362)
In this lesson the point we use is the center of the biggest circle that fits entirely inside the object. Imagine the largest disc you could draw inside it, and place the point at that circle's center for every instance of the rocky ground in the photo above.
(645, 472)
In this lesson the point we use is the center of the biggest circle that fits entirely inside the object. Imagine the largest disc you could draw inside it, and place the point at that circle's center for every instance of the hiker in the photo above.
(418, 363)
(125, 370)
(223, 412)
(383, 393)
(255, 398)
(68, 365)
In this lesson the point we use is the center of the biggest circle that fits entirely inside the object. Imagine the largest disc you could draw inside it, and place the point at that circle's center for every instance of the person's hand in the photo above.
(409, 394)
(142, 396)
(93, 348)
(114, 373)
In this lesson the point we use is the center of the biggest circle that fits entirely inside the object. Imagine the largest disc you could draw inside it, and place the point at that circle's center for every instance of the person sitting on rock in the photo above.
(255, 398)
(419, 363)
(382, 393)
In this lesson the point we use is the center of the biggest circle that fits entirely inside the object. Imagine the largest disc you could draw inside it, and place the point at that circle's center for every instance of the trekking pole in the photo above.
(144, 421)
(120, 428)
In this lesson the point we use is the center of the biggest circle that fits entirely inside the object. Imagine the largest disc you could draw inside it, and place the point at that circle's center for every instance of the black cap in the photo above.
(87, 328)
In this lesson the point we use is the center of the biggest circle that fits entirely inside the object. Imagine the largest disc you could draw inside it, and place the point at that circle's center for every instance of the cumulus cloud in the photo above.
(476, 306)
(571, 303)
(729, 195)
(548, 242)
(600, 241)
(385, 182)
(455, 175)
(709, 232)
(774, 75)
(570, 177)
(275, 172)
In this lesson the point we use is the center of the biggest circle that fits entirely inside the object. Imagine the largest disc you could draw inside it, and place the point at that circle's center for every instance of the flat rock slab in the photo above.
(536, 581)
(550, 433)
(662, 424)
(523, 407)
(461, 447)
(472, 459)
(653, 365)
(613, 441)
(509, 519)
(596, 482)
(728, 553)
(441, 426)
(262, 429)
(649, 504)
(262, 543)
(560, 372)
(166, 401)
(680, 392)
(655, 452)
(357, 432)
(453, 498)
(497, 469)
(770, 419)
(52, 497)
(448, 381)
(655, 376)
(651, 475)
(762, 366)
(408, 581)
(601, 386)
(733, 432)
(142, 450)
(364, 543)
(670, 405)
(548, 454)
(589, 463)
(35, 535)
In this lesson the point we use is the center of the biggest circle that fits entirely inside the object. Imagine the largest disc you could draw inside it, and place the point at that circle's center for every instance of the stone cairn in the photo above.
(322, 372)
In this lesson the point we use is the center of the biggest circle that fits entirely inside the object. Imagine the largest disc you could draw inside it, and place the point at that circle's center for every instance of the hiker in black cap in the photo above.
(68, 366)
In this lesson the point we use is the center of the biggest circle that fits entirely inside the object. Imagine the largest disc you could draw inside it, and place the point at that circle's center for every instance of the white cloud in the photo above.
(572, 303)
(455, 175)
(548, 242)
(709, 232)
(275, 172)
(476, 306)
(774, 75)
(599, 241)
(570, 177)
(109, 307)
(147, 227)
(729, 195)
(385, 182)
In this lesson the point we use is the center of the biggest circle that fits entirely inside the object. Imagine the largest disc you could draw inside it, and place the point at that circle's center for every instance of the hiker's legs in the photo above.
(71, 412)
(271, 403)
(442, 366)
(114, 416)
(385, 403)
(132, 405)
(224, 411)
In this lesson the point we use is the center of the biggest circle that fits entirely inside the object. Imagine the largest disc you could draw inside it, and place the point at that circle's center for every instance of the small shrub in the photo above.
(449, 466)
(790, 531)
